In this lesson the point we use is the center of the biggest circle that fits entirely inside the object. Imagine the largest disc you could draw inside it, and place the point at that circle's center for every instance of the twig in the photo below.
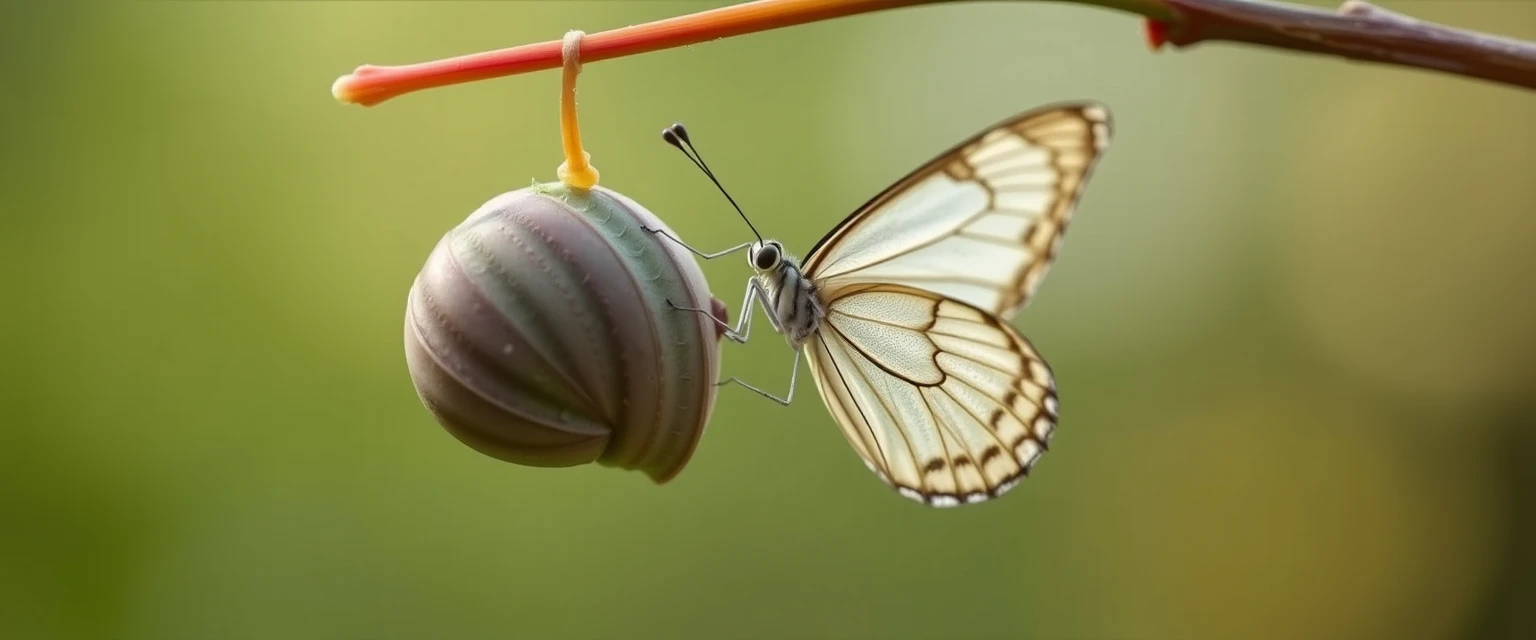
(1357, 31)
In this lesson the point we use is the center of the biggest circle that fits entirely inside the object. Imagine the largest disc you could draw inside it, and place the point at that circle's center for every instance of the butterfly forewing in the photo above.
(942, 400)
(980, 223)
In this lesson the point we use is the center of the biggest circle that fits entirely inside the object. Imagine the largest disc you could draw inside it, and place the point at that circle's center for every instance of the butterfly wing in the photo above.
(945, 402)
(980, 223)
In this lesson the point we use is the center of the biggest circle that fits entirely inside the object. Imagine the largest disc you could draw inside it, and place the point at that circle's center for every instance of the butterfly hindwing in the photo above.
(942, 400)
(982, 222)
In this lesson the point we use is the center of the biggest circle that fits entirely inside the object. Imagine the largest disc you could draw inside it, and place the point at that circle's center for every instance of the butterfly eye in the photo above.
(767, 257)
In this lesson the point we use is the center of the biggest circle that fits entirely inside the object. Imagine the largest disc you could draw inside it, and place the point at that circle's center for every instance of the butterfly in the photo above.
(904, 309)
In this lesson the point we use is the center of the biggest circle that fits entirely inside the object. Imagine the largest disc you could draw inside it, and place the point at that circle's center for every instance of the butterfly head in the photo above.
(765, 256)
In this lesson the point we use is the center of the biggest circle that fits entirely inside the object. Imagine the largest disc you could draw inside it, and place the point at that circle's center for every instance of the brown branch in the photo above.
(1357, 31)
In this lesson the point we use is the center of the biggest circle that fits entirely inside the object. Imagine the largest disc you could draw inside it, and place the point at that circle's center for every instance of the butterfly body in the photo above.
(791, 299)
(904, 310)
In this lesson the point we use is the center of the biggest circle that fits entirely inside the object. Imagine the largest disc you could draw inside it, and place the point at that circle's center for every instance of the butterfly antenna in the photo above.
(677, 136)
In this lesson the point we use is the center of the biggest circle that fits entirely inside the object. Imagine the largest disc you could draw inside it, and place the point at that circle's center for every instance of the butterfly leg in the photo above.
(743, 325)
(701, 254)
(743, 328)
(793, 374)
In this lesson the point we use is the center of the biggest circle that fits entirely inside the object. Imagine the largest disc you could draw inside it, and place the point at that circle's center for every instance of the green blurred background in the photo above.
(1292, 327)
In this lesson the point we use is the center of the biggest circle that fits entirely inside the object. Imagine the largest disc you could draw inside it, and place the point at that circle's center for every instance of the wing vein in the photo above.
(911, 451)
(869, 427)
(1016, 377)
(941, 426)
(948, 278)
(921, 245)
(985, 423)
(854, 345)
(1001, 242)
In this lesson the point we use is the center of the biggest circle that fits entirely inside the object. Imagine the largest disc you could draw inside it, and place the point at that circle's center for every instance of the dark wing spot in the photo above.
(959, 169)
(934, 466)
(989, 453)
(1030, 235)
(997, 415)
(1011, 397)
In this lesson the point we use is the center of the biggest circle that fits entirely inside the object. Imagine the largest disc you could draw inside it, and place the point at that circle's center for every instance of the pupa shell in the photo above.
(539, 333)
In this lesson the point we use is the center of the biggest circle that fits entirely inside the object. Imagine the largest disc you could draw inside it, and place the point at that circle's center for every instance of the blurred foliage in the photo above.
(1291, 326)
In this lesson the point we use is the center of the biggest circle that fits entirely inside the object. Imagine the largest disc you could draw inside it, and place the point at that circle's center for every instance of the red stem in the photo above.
(370, 85)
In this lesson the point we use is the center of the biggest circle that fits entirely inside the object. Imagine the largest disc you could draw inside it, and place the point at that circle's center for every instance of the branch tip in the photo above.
(1157, 34)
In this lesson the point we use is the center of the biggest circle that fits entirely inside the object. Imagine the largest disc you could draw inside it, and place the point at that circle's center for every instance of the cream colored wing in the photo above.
(982, 222)
(943, 401)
